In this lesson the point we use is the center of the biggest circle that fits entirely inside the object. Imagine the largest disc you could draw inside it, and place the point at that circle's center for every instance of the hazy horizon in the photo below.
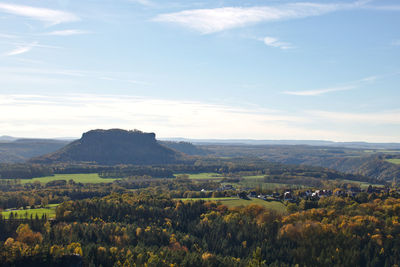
(261, 70)
(212, 140)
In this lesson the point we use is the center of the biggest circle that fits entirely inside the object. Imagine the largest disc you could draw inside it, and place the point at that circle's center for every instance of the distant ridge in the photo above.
(6, 138)
(20, 150)
(361, 145)
(185, 147)
(114, 146)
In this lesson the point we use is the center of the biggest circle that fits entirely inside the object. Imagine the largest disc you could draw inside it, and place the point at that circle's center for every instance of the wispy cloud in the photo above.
(50, 16)
(34, 44)
(143, 2)
(67, 32)
(21, 49)
(347, 87)
(28, 73)
(219, 19)
(124, 80)
(8, 36)
(274, 42)
(321, 91)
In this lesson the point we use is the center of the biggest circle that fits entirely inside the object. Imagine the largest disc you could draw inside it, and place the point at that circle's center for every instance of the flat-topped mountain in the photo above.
(115, 146)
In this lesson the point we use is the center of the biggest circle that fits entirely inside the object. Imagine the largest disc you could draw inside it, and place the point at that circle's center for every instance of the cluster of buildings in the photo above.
(291, 196)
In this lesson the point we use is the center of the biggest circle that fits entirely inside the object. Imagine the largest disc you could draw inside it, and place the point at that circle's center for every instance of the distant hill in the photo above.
(369, 163)
(229, 142)
(185, 147)
(112, 147)
(6, 138)
(20, 150)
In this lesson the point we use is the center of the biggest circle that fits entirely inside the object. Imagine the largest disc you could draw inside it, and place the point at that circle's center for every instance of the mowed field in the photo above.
(50, 212)
(204, 176)
(256, 183)
(395, 161)
(84, 178)
(362, 185)
(247, 181)
(232, 202)
(215, 176)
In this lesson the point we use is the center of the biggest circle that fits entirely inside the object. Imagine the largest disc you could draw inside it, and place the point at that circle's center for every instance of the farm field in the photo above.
(395, 161)
(246, 182)
(232, 202)
(50, 211)
(256, 183)
(254, 177)
(204, 176)
(363, 185)
(84, 178)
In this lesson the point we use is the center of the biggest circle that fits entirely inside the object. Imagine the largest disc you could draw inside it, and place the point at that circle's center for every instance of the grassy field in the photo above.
(257, 183)
(247, 181)
(363, 185)
(216, 176)
(254, 177)
(209, 198)
(84, 178)
(231, 202)
(395, 161)
(50, 211)
(204, 176)
(397, 151)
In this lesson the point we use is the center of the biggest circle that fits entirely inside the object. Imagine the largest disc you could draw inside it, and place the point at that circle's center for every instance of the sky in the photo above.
(222, 69)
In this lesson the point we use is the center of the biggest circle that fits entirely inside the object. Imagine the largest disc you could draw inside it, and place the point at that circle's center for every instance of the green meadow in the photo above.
(254, 177)
(84, 178)
(395, 161)
(50, 212)
(362, 185)
(247, 181)
(204, 176)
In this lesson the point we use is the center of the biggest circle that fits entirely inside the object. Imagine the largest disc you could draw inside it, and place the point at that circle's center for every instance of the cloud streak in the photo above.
(67, 32)
(50, 16)
(143, 2)
(350, 86)
(274, 42)
(320, 91)
(21, 49)
(208, 21)
(8, 36)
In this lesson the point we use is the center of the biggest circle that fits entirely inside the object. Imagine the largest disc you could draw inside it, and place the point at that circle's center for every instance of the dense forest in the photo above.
(137, 229)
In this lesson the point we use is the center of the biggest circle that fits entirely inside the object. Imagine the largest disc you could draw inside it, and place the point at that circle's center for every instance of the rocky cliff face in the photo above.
(115, 146)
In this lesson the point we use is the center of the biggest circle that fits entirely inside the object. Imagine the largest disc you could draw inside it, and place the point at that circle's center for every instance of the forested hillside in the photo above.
(12, 151)
(185, 147)
(370, 163)
(154, 230)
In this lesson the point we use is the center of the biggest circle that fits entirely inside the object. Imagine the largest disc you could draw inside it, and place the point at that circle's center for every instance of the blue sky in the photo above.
(202, 69)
